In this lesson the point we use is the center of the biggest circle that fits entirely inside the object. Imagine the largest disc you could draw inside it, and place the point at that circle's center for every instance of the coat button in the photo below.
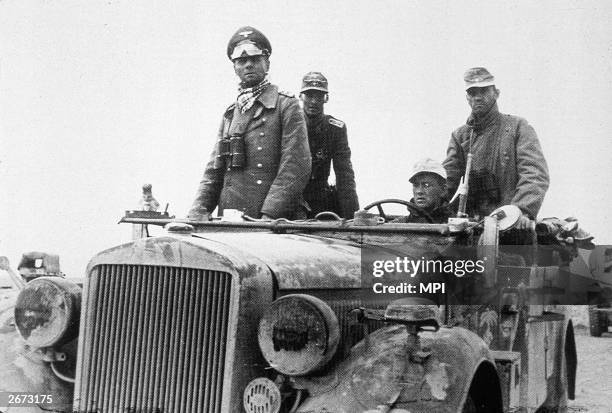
(261, 134)
(259, 165)
(259, 182)
(263, 120)
(229, 169)
(259, 148)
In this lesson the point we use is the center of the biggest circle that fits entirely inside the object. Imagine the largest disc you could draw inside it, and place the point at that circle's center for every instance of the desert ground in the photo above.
(594, 381)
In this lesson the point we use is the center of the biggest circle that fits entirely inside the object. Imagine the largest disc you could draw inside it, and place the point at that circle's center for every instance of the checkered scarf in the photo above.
(247, 96)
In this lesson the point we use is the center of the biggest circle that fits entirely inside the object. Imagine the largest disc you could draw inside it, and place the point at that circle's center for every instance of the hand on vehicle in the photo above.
(524, 222)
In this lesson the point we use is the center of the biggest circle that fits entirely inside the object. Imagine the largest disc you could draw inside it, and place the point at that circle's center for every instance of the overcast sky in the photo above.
(99, 97)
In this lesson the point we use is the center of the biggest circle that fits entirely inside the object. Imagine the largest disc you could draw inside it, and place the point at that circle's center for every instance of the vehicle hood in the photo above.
(298, 261)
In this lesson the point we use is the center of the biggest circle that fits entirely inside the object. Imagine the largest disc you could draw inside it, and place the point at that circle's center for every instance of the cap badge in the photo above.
(245, 33)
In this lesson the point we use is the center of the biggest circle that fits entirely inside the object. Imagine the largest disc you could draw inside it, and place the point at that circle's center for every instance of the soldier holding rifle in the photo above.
(503, 151)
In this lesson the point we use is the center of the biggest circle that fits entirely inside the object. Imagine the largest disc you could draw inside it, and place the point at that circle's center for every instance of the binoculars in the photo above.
(230, 152)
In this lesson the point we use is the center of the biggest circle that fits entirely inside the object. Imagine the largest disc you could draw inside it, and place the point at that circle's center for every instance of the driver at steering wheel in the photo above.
(428, 181)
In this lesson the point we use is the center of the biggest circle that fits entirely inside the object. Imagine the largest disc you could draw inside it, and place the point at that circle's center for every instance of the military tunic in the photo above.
(508, 166)
(328, 143)
(277, 164)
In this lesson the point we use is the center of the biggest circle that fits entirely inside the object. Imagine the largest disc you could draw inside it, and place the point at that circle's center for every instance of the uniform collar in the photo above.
(267, 98)
(484, 121)
(314, 122)
(442, 208)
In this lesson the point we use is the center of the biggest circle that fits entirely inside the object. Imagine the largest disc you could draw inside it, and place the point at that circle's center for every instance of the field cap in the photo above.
(314, 81)
(248, 41)
(427, 165)
(478, 77)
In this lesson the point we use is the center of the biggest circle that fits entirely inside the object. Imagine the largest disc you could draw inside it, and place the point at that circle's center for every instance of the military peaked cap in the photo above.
(248, 41)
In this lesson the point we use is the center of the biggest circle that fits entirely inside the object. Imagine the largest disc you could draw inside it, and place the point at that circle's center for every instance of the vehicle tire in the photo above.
(559, 385)
(596, 322)
(469, 406)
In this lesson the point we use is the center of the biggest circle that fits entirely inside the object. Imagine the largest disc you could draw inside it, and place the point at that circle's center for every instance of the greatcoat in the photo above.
(276, 166)
(508, 166)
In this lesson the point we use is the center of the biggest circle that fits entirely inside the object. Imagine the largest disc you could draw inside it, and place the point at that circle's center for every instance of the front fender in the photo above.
(378, 377)
(24, 370)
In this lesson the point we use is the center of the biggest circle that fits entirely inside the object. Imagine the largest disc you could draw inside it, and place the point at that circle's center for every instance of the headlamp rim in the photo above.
(71, 297)
(330, 323)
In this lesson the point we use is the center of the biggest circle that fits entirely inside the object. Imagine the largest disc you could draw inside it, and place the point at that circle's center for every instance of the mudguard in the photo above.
(379, 377)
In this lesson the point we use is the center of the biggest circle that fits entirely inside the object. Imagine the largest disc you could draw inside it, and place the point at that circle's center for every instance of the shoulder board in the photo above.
(336, 122)
(285, 93)
(231, 107)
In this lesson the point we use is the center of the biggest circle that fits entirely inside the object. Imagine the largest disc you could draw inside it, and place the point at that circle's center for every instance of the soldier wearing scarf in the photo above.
(508, 166)
(261, 161)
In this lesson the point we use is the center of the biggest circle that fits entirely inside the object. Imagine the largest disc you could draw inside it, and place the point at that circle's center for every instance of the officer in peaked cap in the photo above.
(328, 144)
(508, 166)
(428, 179)
(248, 41)
(261, 162)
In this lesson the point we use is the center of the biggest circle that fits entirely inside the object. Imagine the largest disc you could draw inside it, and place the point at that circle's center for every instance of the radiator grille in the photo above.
(155, 340)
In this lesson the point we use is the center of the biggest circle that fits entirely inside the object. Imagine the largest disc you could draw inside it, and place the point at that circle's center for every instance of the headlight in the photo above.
(298, 334)
(47, 311)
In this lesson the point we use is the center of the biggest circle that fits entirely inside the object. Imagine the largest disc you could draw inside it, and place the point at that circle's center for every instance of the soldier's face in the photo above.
(251, 69)
(481, 99)
(428, 190)
(313, 101)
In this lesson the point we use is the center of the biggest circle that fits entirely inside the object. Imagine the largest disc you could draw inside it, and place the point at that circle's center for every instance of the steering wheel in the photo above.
(413, 208)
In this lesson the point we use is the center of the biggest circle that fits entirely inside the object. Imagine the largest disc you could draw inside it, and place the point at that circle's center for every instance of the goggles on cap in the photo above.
(248, 49)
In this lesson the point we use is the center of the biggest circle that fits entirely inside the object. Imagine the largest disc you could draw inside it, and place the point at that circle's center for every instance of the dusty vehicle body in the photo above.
(25, 368)
(172, 324)
(600, 319)
(600, 310)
